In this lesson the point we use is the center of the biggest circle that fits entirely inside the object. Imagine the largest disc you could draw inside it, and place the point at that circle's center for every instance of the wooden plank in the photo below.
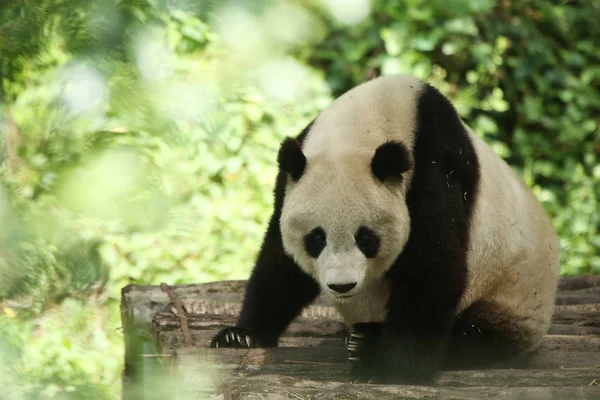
(325, 311)
(549, 359)
(328, 383)
(468, 378)
(578, 282)
(204, 327)
(207, 373)
(561, 329)
(574, 316)
(173, 340)
(140, 302)
(577, 308)
(272, 386)
(463, 379)
(582, 295)
(223, 298)
(314, 327)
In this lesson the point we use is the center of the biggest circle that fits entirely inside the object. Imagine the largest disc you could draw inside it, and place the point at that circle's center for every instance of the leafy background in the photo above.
(138, 140)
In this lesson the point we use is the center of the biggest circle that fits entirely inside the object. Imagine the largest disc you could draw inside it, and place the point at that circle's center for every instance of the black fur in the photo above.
(368, 242)
(362, 344)
(291, 159)
(391, 159)
(278, 289)
(315, 241)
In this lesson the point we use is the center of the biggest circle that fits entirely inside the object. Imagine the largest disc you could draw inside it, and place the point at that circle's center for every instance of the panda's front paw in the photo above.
(362, 345)
(234, 337)
(354, 345)
(362, 342)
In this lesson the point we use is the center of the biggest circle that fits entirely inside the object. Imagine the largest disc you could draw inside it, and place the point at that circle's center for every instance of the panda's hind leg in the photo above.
(485, 335)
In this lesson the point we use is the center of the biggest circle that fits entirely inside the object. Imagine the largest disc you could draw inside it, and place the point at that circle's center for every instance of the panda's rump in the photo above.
(513, 251)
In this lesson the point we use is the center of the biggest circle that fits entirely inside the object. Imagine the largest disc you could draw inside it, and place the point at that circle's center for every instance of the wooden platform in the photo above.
(167, 331)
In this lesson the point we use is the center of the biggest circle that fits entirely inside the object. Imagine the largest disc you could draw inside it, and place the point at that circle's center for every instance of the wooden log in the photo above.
(279, 387)
(577, 298)
(299, 327)
(593, 307)
(464, 378)
(338, 355)
(574, 316)
(140, 302)
(207, 373)
(578, 282)
(173, 340)
(204, 327)
(577, 318)
(561, 329)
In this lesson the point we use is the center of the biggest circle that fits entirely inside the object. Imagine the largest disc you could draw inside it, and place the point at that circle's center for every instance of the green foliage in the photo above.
(139, 138)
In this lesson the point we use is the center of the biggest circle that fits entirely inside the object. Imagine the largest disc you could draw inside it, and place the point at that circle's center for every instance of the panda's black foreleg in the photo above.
(414, 337)
(276, 293)
(362, 343)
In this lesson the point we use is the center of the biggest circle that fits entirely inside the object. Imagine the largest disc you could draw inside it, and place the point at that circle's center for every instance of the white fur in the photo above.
(514, 250)
(513, 257)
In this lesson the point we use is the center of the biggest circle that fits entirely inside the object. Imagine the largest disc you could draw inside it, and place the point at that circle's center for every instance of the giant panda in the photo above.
(434, 252)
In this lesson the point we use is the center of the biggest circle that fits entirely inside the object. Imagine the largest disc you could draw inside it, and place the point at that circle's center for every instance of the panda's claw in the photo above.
(234, 337)
(361, 379)
(357, 335)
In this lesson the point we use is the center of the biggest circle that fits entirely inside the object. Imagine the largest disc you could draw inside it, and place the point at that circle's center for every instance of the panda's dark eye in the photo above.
(367, 241)
(315, 242)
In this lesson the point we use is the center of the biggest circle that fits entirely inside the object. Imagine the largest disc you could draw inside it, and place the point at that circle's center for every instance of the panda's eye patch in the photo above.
(367, 241)
(315, 241)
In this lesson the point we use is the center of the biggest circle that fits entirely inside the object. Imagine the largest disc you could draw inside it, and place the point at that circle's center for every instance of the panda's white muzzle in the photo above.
(342, 274)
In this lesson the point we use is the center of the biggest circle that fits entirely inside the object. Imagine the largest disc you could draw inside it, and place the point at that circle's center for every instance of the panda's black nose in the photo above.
(342, 288)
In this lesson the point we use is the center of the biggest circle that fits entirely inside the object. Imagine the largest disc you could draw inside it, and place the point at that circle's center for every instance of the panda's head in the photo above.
(344, 219)
(344, 216)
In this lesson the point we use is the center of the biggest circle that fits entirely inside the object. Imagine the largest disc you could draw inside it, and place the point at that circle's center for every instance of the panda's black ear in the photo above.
(291, 159)
(391, 159)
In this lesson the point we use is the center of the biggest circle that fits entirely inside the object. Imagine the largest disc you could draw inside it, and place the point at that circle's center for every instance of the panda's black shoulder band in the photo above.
(291, 159)
(391, 159)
